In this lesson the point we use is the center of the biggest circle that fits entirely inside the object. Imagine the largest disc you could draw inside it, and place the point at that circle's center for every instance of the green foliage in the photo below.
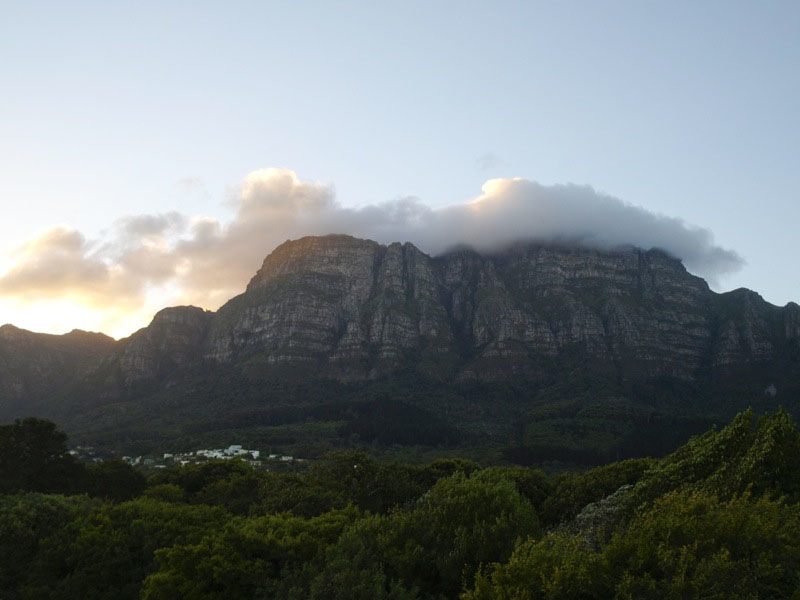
(229, 483)
(389, 422)
(687, 545)
(718, 518)
(166, 492)
(533, 484)
(352, 477)
(113, 548)
(573, 491)
(30, 526)
(759, 455)
(369, 484)
(114, 480)
(298, 494)
(356, 566)
(444, 467)
(458, 525)
(692, 545)
(558, 567)
(246, 557)
(463, 523)
(33, 457)
(700, 523)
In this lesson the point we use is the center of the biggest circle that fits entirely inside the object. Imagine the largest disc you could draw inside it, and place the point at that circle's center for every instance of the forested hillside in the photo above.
(717, 518)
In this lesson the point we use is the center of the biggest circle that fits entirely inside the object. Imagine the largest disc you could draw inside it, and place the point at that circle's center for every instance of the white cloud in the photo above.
(203, 261)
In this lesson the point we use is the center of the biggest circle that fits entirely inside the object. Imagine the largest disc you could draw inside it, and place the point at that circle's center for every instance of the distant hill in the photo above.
(35, 365)
(539, 351)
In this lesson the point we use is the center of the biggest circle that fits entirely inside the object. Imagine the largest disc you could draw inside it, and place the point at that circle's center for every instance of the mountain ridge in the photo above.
(353, 275)
(336, 308)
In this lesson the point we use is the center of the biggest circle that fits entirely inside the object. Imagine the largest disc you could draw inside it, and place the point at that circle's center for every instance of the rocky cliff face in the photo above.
(350, 307)
(353, 309)
(170, 343)
(625, 307)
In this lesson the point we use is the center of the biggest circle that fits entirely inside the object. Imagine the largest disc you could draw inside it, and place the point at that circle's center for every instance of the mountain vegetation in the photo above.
(717, 518)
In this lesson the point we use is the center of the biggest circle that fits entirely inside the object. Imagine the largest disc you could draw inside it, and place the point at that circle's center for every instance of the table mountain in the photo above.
(342, 309)
(354, 309)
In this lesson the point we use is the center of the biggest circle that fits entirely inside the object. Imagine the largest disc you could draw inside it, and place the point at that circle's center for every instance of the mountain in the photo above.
(482, 345)
(34, 365)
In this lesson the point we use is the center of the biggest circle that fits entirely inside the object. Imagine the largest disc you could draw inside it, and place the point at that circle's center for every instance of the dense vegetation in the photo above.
(717, 518)
(580, 416)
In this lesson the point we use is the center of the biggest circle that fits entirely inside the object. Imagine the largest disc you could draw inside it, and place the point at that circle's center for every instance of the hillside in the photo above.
(550, 352)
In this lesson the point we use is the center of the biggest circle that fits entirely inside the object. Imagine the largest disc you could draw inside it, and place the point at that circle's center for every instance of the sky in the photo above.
(152, 153)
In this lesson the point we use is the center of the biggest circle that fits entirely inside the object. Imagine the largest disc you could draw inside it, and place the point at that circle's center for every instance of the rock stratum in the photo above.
(349, 310)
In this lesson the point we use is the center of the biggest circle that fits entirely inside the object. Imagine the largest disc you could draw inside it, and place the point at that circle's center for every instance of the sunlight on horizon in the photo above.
(62, 315)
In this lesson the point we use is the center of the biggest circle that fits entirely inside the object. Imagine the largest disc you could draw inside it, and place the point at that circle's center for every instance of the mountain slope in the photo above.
(523, 345)
(35, 365)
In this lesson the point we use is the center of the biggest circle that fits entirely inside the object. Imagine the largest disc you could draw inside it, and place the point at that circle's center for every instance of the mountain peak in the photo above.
(331, 254)
(176, 314)
(12, 331)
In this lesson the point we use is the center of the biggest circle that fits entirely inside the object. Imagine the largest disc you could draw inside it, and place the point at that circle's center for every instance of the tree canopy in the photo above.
(718, 518)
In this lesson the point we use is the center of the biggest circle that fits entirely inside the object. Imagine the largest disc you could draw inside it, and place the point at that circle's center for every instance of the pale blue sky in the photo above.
(689, 109)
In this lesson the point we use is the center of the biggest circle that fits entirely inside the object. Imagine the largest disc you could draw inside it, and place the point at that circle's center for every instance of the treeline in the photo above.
(34, 458)
(718, 518)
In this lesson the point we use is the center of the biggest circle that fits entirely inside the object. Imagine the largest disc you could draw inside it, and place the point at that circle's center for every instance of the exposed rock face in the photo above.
(169, 343)
(626, 306)
(353, 309)
(300, 302)
(351, 306)
(34, 364)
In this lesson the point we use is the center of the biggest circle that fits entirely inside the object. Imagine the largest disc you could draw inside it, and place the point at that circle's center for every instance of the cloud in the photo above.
(61, 262)
(144, 226)
(174, 258)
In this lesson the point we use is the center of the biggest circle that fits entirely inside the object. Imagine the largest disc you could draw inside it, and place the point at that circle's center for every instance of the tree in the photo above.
(113, 548)
(247, 557)
(693, 545)
(557, 567)
(114, 480)
(573, 491)
(34, 457)
(31, 527)
(757, 455)
(230, 483)
(688, 544)
(533, 484)
(433, 545)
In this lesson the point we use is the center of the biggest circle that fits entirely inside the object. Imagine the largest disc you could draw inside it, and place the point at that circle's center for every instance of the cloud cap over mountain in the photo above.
(204, 261)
